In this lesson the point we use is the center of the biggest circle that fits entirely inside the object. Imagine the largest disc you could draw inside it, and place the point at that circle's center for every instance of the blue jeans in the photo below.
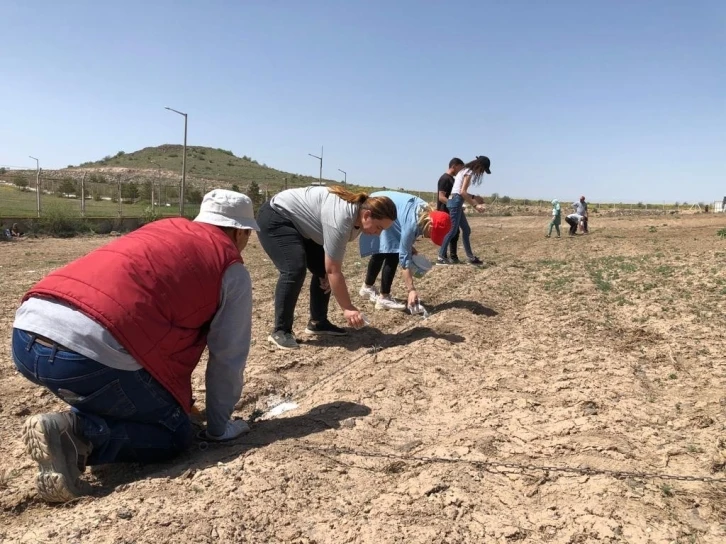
(458, 221)
(127, 416)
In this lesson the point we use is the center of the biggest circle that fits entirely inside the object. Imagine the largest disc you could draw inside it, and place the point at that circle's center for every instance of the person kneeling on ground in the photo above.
(117, 333)
(309, 228)
(414, 218)
(15, 231)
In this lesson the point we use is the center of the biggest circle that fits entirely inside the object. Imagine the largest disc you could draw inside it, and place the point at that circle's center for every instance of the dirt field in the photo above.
(605, 351)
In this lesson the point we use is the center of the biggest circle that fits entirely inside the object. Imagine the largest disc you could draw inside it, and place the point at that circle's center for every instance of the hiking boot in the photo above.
(55, 443)
(476, 261)
(283, 340)
(371, 293)
(389, 303)
(444, 261)
(324, 327)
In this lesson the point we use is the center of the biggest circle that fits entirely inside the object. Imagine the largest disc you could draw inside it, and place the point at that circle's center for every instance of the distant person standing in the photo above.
(470, 175)
(556, 218)
(446, 183)
(581, 210)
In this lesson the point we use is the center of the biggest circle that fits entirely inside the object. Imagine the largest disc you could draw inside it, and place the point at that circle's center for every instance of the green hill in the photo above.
(204, 165)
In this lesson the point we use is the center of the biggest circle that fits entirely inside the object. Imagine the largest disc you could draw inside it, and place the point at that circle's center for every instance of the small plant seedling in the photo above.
(666, 490)
(672, 376)
(721, 233)
(652, 228)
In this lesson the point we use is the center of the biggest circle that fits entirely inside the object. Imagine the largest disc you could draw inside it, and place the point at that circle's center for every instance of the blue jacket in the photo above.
(399, 237)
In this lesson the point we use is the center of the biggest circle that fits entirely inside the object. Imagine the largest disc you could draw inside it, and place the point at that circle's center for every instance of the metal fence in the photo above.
(22, 194)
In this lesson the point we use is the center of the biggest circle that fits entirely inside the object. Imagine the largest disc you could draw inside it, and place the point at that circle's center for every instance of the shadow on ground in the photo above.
(371, 338)
(475, 308)
(109, 478)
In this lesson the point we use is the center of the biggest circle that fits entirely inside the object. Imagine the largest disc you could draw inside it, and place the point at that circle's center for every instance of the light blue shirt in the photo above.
(401, 235)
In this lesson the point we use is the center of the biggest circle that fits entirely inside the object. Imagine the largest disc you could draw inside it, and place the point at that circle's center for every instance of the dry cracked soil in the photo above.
(603, 354)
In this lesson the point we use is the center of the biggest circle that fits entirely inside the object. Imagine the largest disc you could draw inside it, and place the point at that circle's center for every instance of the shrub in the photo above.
(721, 233)
(58, 222)
(20, 182)
(505, 199)
(149, 216)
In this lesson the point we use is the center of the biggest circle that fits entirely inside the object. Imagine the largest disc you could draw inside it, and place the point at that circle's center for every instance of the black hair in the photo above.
(456, 161)
(478, 167)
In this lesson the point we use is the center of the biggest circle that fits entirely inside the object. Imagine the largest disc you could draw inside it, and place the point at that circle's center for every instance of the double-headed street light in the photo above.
(345, 182)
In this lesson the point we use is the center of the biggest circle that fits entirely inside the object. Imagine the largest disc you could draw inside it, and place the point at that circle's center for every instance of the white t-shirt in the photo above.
(459, 180)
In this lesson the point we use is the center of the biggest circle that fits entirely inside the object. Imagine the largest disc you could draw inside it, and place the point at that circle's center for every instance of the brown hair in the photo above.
(381, 207)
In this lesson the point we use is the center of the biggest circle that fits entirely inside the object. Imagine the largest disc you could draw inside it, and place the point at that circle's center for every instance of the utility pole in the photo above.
(184, 163)
(37, 184)
(345, 182)
(320, 158)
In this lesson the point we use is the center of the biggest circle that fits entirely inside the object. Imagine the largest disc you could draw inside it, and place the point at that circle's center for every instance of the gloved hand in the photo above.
(234, 429)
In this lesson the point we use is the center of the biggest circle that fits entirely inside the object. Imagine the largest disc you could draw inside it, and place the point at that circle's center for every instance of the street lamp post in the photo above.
(320, 158)
(158, 183)
(37, 183)
(184, 163)
(345, 181)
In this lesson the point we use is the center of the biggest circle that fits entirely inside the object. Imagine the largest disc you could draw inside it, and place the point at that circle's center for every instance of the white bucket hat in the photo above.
(227, 209)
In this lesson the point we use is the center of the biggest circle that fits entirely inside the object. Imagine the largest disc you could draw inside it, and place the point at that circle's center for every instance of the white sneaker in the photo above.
(370, 292)
(389, 303)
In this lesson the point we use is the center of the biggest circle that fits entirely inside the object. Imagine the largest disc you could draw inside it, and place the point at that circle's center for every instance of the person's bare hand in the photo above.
(479, 207)
(325, 285)
(354, 318)
(412, 297)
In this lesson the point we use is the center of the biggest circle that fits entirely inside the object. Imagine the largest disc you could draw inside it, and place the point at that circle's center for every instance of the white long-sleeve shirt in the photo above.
(228, 340)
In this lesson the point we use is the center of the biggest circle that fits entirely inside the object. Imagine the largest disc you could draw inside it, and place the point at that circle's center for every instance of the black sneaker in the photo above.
(325, 327)
(283, 340)
(444, 261)
(476, 261)
(455, 260)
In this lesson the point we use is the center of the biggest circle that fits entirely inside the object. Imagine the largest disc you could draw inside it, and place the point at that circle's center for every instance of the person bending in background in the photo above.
(308, 228)
(446, 183)
(395, 245)
(573, 220)
(470, 175)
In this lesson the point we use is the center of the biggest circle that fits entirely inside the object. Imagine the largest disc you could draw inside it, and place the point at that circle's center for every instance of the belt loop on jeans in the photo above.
(30, 343)
(53, 351)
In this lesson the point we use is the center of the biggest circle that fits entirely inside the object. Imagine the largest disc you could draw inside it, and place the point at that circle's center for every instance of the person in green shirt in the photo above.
(556, 218)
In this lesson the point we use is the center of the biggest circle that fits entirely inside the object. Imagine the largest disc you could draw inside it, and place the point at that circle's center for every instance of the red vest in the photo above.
(155, 290)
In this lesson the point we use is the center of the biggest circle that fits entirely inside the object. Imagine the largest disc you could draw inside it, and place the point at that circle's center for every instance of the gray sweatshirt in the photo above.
(228, 341)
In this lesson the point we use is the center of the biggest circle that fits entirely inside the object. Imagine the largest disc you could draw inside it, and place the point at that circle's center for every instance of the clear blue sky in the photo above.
(617, 100)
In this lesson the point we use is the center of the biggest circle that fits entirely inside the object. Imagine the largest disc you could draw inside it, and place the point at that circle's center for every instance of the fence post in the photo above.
(37, 189)
(120, 212)
(83, 195)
